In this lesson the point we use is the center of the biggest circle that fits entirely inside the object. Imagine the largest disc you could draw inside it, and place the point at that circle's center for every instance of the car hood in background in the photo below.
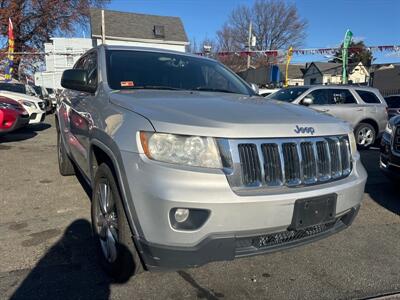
(225, 115)
(19, 96)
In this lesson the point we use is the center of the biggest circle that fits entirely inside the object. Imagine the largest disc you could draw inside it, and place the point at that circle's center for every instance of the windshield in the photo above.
(288, 94)
(30, 91)
(38, 90)
(13, 87)
(152, 70)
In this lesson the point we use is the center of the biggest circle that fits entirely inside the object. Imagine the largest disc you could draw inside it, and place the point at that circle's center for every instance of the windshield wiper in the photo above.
(205, 89)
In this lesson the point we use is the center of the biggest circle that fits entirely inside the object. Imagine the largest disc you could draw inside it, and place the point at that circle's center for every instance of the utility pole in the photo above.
(103, 28)
(249, 46)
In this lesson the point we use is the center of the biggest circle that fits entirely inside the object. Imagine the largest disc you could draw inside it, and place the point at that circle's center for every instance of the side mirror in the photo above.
(254, 87)
(307, 101)
(76, 79)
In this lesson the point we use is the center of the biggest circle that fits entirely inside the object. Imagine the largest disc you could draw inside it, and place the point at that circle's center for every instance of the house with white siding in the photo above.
(61, 54)
(117, 28)
(331, 73)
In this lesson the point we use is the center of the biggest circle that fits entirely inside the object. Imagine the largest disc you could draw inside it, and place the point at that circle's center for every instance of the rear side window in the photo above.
(332, 96)
(368, 97)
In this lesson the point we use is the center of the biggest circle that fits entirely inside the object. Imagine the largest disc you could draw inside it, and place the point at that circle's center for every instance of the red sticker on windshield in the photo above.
(127, 83)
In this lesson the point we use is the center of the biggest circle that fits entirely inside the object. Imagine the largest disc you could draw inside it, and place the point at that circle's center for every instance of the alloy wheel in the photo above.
(365, 136)
(106, 221)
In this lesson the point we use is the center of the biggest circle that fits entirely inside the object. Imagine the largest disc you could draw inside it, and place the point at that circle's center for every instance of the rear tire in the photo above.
(117, 252)
(365, 135)
(65, 165)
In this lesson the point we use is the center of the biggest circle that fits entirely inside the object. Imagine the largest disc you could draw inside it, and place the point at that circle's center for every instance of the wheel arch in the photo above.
(371, 122)
(100, 153)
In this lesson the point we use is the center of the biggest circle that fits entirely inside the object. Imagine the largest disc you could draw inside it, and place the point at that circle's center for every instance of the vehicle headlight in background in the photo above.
(27, 103)
(5, 105)
(389, 128)
(181, 149)
(353, 144)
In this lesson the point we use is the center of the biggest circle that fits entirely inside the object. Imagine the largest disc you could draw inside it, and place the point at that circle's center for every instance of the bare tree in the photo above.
(276, 25)
(35, 21)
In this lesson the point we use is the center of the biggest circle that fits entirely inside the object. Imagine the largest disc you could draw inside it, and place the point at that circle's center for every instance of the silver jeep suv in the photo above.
(188, 165)
(363, 107)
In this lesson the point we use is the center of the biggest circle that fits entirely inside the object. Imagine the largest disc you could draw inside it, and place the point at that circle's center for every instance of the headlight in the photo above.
(27, 103)
(353, 144)
(389, 128)
(180, 149)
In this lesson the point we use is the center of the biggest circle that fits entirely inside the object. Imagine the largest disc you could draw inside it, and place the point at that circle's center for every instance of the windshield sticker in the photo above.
(127, 83)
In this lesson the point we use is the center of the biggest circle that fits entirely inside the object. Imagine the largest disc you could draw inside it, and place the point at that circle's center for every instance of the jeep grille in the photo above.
(267, 163)
(396, 141)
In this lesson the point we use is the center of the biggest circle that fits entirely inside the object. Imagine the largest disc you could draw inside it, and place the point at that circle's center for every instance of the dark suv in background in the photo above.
(393, 103)
(390, 149)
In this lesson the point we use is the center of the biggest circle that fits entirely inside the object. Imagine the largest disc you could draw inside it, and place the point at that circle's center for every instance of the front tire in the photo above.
(365, 135)
(117, 252)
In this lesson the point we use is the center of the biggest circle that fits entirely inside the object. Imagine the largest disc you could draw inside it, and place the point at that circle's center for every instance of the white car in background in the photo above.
(264, 92)
(24, 94)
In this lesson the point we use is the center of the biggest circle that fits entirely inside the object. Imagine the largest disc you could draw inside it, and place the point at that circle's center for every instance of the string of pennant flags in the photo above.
(271, 53)
(307, 51)
(10, 54)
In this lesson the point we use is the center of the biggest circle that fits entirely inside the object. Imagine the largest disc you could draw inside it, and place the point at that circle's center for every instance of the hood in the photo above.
(226, 115)
(19, 96)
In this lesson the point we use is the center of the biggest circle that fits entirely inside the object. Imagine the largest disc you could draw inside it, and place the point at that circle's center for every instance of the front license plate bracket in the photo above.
(313, 211)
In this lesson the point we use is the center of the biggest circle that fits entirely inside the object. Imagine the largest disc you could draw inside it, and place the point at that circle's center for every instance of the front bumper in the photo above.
(157, 188)
(37, 117)
(231, 246)
(21, 121)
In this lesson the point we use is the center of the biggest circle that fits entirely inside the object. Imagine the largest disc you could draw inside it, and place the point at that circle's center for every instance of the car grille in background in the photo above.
(396, 142)
(293, 162)
(42, 105)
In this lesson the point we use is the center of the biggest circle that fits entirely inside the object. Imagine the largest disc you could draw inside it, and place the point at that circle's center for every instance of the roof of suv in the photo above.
(341, 86)
(148, 49)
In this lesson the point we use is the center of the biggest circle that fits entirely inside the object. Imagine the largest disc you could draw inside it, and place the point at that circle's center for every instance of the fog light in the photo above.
(181, 215)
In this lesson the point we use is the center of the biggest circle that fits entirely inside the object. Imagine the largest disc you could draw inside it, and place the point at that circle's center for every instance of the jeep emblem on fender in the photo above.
(310, 130)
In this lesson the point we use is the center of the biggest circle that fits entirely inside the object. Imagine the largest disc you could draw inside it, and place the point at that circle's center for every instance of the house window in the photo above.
(159, 31)
(70, 57)
(313, 80)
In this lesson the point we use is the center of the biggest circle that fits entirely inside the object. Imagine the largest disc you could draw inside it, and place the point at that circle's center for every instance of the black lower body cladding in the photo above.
(229, 247)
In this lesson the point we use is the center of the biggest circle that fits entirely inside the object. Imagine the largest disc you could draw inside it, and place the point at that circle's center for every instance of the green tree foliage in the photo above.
(358, 52)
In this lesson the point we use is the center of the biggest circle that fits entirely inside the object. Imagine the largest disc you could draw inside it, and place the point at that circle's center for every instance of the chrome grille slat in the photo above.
(336, 160)
(345, 155)
(323, 161)
(309, 162)
(272, 164)
(396, 139)
(290, 162)
(251, 169)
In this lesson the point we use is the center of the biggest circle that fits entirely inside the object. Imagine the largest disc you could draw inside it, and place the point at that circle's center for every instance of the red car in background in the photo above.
(12, 115)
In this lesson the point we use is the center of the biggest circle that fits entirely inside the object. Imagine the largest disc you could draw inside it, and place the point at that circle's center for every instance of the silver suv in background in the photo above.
(188, 165)
(363, 107)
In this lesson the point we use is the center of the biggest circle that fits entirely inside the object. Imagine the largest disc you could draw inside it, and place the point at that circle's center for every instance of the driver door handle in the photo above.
(324, 110)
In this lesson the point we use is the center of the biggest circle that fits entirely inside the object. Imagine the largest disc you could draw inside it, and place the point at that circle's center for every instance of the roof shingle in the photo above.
(136, 26)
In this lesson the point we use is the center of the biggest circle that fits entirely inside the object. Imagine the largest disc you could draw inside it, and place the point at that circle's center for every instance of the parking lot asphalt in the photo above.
(46, 248)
